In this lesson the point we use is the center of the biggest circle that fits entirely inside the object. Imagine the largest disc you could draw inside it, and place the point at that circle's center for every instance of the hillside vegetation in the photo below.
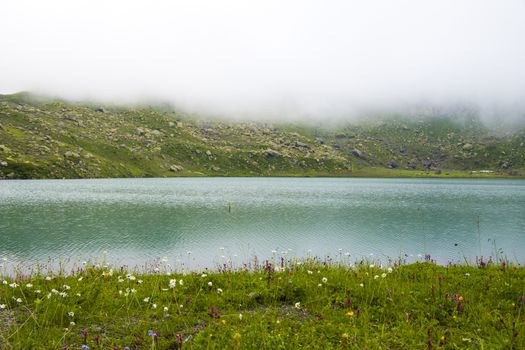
(44, 138)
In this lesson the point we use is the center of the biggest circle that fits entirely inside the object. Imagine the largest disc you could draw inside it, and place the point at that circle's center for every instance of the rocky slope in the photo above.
(42, 138)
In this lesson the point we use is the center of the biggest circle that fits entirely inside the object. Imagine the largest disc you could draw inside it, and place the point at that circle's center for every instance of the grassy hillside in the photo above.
(55, 139)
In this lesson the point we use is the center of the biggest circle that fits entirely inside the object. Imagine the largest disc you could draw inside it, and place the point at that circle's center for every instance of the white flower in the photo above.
(54, 291)
(63, 294)
(173, 283)
(120, 292)
(78, 295)
(66, 287)
(154, 306)
(29, 285)
(389, 270)
(376, 277)
(130, 277)
(139, 281)
(48, 295)
(324, 280)
(166, 309)
(2, 306)
(240, 317)
(18, 300)
(467, 274)
(13, 285)
(361, 285)
(297, 305)
(71, 314)
(372, 266)
(146, 300)
(133, 291)
(181, 282)
(119, 279)
(219, 290)
(320, 285)
(383, 275)
(4, 282)
(81, 278)
(72, 323)
(210, 283)
(204, 275)
(49, 278)
(38, 291)
(310, 272)
(156, 269)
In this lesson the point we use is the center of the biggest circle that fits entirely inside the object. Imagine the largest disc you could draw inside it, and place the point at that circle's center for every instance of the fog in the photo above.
(271, 59)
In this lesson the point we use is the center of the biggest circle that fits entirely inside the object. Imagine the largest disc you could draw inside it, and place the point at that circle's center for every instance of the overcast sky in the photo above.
(268, 57)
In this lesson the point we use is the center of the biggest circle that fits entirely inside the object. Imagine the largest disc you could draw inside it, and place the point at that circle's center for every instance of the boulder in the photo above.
(357, 153)
(271, 153)
(392, 164)
(176, 168)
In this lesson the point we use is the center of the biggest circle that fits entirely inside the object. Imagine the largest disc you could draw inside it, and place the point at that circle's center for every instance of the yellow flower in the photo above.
(460, 298)
(350, 314)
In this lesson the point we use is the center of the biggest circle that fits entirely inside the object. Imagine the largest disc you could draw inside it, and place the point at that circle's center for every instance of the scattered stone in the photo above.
(392, 164)
(357, 153)
(3, 163)
(215, 168)
(271, 153)
(301, 144)
(70, 154)
(176, 168)
(171, 124)
(468, 147)
(100, 109)
(140, 132)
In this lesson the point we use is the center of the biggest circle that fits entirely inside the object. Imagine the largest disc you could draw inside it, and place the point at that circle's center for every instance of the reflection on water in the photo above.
(207, 221)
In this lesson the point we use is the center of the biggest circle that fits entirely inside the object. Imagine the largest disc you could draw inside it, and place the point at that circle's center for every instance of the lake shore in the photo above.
(283, 304)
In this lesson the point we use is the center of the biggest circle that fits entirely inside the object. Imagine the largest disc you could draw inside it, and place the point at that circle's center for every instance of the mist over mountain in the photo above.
(269, 60)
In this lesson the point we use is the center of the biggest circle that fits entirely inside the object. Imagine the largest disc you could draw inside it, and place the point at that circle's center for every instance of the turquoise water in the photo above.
(204, 222)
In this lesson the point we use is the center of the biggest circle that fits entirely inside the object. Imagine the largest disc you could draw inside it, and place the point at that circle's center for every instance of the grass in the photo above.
(281, 304)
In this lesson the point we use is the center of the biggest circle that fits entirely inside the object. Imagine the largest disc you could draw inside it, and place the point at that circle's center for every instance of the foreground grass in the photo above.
(287, 305)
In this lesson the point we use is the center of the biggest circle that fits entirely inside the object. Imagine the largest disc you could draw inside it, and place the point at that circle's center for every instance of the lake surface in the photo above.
(204, 222)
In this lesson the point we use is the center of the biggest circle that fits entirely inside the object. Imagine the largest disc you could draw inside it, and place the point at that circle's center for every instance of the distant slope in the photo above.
(55, 139)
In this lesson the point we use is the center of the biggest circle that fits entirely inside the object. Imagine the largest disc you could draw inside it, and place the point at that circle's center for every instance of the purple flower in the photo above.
(85, 347)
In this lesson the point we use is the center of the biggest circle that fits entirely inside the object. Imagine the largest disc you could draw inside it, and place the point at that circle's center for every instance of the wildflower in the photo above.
(324, 280)
(18, 300)
(320, 285)
(298, 305)
(166, 309)
(467, 274)
(389, 270)
(310, 272)
(350, 314)
(81, 278)
(63, 295)
(383, 275)
(376, 277)
(13, 285)
(139, 281)
(71, 314)
(154, 306)
(72, 323)
(240, 317)
(119, 279)
(361, 285)
(156, 269)
(372, 266)
(29, 285)
(85, 347)
(173, 283)
(66, 287)
(38, 291)
(219, 290)
(48, 295)
(49, 278)
(181, 282)
(54, 291)
(4, 282)
(2, 306)
(204, 275)
(130, 277)
(78, 295)
(146, 300)
(133, 291)
(210, 283)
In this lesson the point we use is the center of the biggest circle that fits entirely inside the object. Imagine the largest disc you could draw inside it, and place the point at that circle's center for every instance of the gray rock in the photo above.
(3, 163)
(392, 164)
(357, 153)
(301, 144)
(468, 147)
(100, 109)
(176, 168)
(139, 132)
(70, 154)
(271, 153)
